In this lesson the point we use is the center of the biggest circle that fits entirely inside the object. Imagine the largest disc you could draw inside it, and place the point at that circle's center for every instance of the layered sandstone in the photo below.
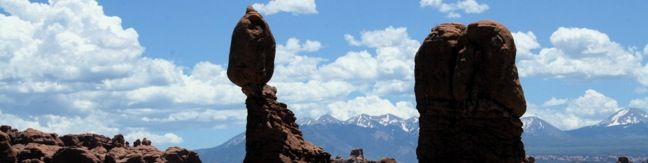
(469, 95)
(271, 132)
(35, 146)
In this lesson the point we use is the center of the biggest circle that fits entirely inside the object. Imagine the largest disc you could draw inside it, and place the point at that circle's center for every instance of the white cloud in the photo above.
(313, 90)
(371, 105)
(524, 43)
(555, 101)
(588, 109)
(290, 6)
(358, 65)
(77, 70)
(386, 87)
(71, 72)
(139, 133)
(577, 52)
(452, 9)
(385, 69)
(395, 51)
(593, 105)
(639, 103)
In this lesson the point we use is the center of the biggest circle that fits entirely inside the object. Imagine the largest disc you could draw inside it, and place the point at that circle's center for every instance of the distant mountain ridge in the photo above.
(538, 127)
(626, 132)
(625, 117)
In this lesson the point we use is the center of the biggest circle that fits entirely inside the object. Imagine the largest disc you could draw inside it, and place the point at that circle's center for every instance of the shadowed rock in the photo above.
(35, 146)
(271, 132)
(252, 52)
(468, 95)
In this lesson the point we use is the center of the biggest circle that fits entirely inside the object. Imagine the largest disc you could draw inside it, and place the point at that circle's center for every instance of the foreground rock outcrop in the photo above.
(271, 132)
(357, 156)
(35, 146)
(468, 95)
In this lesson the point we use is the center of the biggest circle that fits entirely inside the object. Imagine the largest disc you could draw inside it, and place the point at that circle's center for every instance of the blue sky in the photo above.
(156, 68)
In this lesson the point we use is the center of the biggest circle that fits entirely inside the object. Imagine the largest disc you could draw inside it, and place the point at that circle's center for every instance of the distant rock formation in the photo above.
(357, 156)
(35, 146)
(271, 133)
(468, 95)
(623, 159)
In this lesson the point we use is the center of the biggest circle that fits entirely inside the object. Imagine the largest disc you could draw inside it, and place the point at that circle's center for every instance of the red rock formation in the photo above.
(468, 95)
(35, 146)
(252, 52)
(271, 132)
(357, 156)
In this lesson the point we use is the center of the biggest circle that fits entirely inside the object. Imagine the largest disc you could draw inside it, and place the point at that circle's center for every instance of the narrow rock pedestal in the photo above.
(271, 132)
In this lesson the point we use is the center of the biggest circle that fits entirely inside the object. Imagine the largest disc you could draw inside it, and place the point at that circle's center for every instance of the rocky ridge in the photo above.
(35, 146)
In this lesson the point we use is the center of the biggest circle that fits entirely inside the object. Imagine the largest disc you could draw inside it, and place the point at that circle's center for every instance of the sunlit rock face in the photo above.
(271, 133)
(469, 95)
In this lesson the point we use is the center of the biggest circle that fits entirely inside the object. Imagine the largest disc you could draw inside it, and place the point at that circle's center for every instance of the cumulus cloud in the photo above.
(453, 9)
(291, 6)
(593, 105)
(639, 103)
(69, 68)
(524, 43)
(310, 83)
(581, 51)
(588, 109)
(555, 101)
(578, 52)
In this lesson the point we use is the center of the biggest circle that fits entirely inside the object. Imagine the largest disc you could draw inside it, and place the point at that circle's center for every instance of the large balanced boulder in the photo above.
(271, 132)
(252, 52)
(469, 95)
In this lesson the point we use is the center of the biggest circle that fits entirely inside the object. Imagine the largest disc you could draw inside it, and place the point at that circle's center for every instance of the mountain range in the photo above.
(624, 132)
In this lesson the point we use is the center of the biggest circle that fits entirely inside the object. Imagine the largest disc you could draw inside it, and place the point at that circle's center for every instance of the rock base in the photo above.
(272, 134)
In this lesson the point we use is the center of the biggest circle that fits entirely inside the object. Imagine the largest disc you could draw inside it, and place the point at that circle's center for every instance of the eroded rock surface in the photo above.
(35, 146)
(271, 132)
(468, 95)
(252, 51)
(357, 156)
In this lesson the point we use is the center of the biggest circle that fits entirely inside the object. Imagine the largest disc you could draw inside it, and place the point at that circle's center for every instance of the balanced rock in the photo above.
(271, 132)
(469, 95)
(252, 52)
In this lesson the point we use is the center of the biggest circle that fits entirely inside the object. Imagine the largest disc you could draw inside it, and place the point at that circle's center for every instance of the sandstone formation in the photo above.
(271, 132)
(35, 146)
(468, 95)
(252, 52)
(623, 159)
(357, 156)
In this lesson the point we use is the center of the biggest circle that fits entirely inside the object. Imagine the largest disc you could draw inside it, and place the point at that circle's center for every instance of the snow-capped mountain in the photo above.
(367, 121)
(534, 126)
(626, 131)
(626, 117)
